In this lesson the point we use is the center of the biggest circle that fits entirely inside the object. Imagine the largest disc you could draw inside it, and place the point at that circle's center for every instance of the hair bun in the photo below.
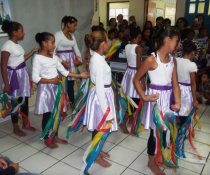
(6, 26)
(38, 37)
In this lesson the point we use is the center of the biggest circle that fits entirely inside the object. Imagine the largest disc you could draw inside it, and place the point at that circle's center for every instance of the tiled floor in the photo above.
(128, 154)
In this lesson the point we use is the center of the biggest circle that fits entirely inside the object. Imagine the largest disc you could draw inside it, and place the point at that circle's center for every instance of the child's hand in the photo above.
(6, 88)
(55, 81)
(176, 107)
(15, 166)
(3, 164)
(84, 75)
(152, 97)
(195, 104)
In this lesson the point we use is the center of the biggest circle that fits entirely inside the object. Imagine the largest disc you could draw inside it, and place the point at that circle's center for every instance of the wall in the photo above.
(45, 15)
(180, 8)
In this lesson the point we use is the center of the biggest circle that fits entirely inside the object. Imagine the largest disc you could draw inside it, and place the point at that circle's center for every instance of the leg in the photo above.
(25, 110)
(123, 126)
(48, 141)
(59, 140)
(151, 145)
(71, 91)
(100, 159)
(16, 129)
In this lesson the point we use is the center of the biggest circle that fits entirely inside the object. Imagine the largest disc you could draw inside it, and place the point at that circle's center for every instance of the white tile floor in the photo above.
(128, 154)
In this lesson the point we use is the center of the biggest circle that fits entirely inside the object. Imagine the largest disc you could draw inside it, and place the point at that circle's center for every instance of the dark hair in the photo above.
(159, 18)
(94, 39)
(182, 19)
(44, 36)
(188, 47)
(167, 20)
(10, 26)
(68, 19)
(134, 32)
(115, 31)
(160, 35)
(186, 32)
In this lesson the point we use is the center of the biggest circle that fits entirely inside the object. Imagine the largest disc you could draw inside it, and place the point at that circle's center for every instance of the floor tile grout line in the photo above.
(205, 164)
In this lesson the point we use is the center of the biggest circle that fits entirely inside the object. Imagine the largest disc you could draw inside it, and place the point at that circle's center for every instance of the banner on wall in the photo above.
(5, 14)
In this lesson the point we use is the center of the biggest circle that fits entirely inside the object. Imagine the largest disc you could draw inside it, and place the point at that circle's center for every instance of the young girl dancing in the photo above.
(15, 73)
(133, 54)
(162, 71)
(186, 77)
(101, 96)
(45, 74)
(67, 50)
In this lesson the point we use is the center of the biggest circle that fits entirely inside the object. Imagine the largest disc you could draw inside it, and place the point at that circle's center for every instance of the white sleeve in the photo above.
(61, 69)
(6, 47)
(36, 69)
(76, 49)
(57, 40)
(193, 67)
(100, 92)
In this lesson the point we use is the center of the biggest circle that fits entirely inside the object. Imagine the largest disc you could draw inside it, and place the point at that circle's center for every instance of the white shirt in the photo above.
(46, 67)
(184, 68)
(100, 74)
(162, 75)
(16, 53)
(63, 43)
(130, 51)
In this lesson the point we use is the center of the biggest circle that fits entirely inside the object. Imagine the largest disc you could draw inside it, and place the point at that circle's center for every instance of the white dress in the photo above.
(161, 79)
(127, 81)
(184, 68)
(101, 96)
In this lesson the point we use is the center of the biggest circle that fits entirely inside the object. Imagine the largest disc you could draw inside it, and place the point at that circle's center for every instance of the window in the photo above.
(115, 9)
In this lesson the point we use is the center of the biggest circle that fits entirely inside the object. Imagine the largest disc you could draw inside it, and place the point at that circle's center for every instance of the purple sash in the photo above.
(64, 51)
(14, 84)
(159, 87)
(134, 68)
(185, 84)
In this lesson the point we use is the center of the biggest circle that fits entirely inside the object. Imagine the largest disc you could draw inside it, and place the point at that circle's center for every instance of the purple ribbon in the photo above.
(64, 51)
(14, 84)
(159, 87)
(185, 84)
(134, 68)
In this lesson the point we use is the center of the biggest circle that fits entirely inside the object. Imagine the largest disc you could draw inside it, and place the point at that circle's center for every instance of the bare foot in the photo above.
(104, 154)
(124, 128)
(102, 162)
(50, 144)
(61, 141)
(155, 168)
(31, 128)
(19, 132)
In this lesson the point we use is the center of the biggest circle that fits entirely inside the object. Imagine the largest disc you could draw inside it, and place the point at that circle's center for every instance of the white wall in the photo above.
(45, 15)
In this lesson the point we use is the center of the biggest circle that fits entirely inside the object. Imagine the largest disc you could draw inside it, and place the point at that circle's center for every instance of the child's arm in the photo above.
(139, 62)
(176, 88)
(28, 55)
(193, 88)
(147, 65)
(4, 60)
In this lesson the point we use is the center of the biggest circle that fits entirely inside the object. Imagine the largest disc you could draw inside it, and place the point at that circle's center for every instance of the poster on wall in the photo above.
(5, 14)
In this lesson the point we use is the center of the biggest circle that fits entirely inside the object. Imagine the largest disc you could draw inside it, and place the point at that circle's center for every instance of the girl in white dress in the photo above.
(45, 73)
(15, 73)
(161, 68)
(101, 95)
(133, 53)
(68, 51)
(186, 76)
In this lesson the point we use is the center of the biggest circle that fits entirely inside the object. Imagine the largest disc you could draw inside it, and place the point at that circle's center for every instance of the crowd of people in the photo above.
(177, 56)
